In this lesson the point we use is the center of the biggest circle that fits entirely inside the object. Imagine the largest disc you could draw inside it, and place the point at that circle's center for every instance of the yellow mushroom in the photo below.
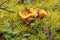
(41, 12)
(31, 13)
(26, 14)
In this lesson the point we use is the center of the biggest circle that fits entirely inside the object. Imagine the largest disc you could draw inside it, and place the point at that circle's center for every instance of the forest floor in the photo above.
(12, 27)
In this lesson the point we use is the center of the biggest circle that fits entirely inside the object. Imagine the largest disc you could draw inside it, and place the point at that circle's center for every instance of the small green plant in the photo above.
(10, 34)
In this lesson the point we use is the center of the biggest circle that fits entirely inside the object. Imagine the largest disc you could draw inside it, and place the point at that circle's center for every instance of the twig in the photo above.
(7, 10)
(48, 32)
(50, 35)
(3, 3)
(12, 26)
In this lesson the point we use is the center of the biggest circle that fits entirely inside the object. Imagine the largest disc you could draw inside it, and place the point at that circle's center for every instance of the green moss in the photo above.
(52, 20)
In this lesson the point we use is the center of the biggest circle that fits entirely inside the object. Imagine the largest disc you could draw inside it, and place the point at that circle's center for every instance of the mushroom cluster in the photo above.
(30, 13)
(27, 13)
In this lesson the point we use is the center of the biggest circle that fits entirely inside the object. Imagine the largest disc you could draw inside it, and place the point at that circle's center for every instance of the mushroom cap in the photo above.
(42, 12)
(25, 15)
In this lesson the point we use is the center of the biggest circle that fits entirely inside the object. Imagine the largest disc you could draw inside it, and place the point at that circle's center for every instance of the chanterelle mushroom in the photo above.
(27, 14)
(31, 13)
(41, 12)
